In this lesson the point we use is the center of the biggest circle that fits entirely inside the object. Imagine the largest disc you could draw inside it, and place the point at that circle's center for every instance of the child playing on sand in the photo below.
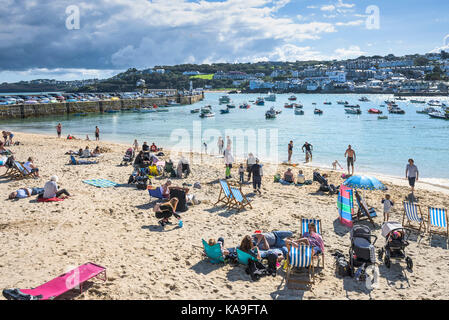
(388, 204)
(334, 165)
(242, 173)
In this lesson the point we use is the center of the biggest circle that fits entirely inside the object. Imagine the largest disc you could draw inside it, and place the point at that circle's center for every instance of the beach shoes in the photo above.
(162, 223)
(197, 185)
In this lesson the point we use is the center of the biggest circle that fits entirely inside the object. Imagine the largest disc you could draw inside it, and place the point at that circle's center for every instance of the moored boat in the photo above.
(299, 111)
(292, 98)
(374, 111)
(244, 106)
(353, 110)
(270, 114)
(318, 111)
(195, 111)
(270, 97)
(224, 99)
(260, 101)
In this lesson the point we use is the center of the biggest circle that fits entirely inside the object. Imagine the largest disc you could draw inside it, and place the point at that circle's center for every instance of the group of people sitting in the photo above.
(289, 178)
(49, 191)
(260, 245)
(86, 153)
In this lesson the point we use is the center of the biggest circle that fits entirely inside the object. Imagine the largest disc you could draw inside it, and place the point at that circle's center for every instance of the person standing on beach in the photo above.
(411, 173)
(220, 145)
(350, 158)
(309, 149)
(135, 146)
(97, 133)
(228, 143)
(229, 159)
(290, 151)
(256, 172)
(59, 130)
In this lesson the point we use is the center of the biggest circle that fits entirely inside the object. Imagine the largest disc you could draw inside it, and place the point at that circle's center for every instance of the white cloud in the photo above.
(348, 53)
(328, 8)
(350, 23)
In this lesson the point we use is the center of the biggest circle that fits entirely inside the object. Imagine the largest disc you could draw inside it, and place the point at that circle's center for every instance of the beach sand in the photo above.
(116, 228)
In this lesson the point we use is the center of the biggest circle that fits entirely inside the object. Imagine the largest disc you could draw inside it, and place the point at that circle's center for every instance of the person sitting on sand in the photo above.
(29, 165)
(145, 147)
(220, 240)
(301, 179)
(288, 176)
(87, 137)
(334, 165)
(96, 152)
(165, 210)
(51, 189)
(248, 246)
(311, 238)
(86, 153)
(25, 193)
(153, 148)
(165, 189)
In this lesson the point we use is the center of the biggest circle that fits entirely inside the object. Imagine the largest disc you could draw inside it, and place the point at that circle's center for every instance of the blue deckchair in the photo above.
(226, 198)
(239, 200)
(156, 193)
(213, 252)
(414, 215)
(244, 257)
(300, 258)
(438, 218)
(364, 211)
(19, 172)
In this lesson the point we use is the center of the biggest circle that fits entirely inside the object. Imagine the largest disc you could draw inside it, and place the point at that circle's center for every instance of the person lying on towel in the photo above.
(25, 193)
(165, 210)
(51, 189)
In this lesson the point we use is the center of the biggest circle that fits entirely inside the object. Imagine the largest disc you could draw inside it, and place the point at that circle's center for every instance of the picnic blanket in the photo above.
(100, 183)
(49, 199)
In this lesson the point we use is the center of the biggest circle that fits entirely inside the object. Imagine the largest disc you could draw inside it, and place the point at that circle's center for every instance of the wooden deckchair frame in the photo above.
(234, 203)
(439, 232)
(321, 233)
(408, 223)
(289, 272)
(359, 216)
(225, 199)
(18, 174)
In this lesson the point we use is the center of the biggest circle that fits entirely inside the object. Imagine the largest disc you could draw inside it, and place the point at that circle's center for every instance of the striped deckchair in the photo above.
(413, 214)
(305, 228)
(225, 195)
(345, 205)
(239, 201)
(364, 211)
(438, 218)
(213, 252)
(19, 172)
(300, 258)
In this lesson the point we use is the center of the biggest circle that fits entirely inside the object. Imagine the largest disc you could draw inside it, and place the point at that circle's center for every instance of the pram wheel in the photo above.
(409, 263)
(380, 254)
(387, 261)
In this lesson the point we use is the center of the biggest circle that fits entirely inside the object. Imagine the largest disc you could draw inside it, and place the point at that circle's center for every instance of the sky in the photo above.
(72, 39)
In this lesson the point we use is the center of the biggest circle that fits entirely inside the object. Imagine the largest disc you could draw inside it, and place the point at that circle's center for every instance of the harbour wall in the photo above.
(18, 111)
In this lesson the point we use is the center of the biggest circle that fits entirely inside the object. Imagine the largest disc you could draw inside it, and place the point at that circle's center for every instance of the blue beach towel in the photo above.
(100, 183)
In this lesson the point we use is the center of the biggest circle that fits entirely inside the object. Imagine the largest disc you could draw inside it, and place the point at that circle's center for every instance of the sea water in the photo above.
(381, 146)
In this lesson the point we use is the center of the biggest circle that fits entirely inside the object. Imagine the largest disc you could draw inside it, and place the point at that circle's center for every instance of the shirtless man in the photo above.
(350, 154)
(309, 149)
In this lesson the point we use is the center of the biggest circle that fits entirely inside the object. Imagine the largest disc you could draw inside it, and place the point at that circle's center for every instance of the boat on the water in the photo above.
(195, 111)
(353, 110)
(342, 102)
(260, 101)
(206, 112)
(400, 99)
(230, 106)
(112, 111)
(374, 111)
(244, 106)
(292, 98)
(438, 115)
(396, 110)
(417, 101)
(82, 114)
(352, 106)
(318, 111)
(427, 110)
(270, 114)
(223, 111)
(224, 99)
(207, 115)
(299, 111)
(270, 97)
(288, 105)
(435, 103)
(364, 99)
(327, 103)
(146, 110)
(382, 117)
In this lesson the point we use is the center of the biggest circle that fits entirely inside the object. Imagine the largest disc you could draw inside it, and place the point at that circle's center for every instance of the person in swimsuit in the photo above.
(290, 151)
(59, 130)
(309, 149)
(97, 133)
(350, 158)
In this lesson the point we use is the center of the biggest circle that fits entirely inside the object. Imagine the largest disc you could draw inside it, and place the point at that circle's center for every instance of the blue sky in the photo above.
(118, 34)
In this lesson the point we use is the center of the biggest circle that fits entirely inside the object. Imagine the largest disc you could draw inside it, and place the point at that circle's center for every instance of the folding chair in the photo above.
(305, 228)
(300, 258)
(213, 252)
(19, 172)
(244, 257)
(239, 201)
(364, 212)
(345, 205)
(413, 214)
(225, 195)
(438, 218)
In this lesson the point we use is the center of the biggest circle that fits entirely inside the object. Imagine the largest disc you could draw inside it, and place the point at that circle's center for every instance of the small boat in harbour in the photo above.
(224, 111)
(195, 111)
(244, 106)
(230, 106)
(427, 110)
(260, 101)
(374, 111)
(364, 99)
(342, 102)
(353, 110)
(438, 115)
(224, 99)
(396, 110)
(270, 97)
(417, 101)
(292, 98)
(327, 103)
(146, 110)
(382, 117)
(288, 105)
(318, 111)
(299, 111)
(270, 114)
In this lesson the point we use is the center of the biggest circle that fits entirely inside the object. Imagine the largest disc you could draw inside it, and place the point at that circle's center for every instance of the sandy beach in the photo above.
(116, 228)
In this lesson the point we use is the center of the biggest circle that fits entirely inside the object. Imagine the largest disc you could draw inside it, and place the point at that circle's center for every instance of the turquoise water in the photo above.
(382, 146)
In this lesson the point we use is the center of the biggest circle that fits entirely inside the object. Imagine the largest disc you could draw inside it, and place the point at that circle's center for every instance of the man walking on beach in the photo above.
(309, 149)
(350, 158)
(290, 151)
(97, 133)
(411, 173)
(59, 130)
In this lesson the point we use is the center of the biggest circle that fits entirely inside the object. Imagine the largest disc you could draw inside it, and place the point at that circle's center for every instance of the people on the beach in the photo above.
(334, 165)
(165, 210)
(249, 247)
(29, 165)
(228, 143)
(241, 173)
(228, 159)
(51, 189)
(153, 147)
(288, 176)
(257, 173)
(220, 145)
(145, 147)
(249, 163)
(165, 189)
(59, 130)
(220, 241)
(301, 179)
(25, 193)
(411, 173)
(308, 149)
(97, 133)
(272, 241)
(290, 150)
(205, 147)
(135, 146)
(86, 153)
(388, 204)
(311, 238)
(350, 159)
(96, 152)
(87, 137)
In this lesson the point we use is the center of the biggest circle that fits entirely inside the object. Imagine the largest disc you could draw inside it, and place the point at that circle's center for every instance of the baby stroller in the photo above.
(362, 252)
(395, 243)
(128, 157)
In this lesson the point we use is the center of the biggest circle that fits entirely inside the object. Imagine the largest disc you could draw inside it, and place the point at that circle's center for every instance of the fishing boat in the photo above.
(206, 112)
(401, 99)
(438, 115)
(417, 101)
(270, 97)
(299, 111)
(327, 103)
(318, 111)
(270, 114)
(147, 110)
(195, 111)
(292, 98)
(244, 106)
(223, 111)
(314, 103)
(353, 110)
(364, 99)
(224, 99)
(427, 110)
(230, 106)
(83, 114)
(288, 105)
(382, 117)
(374, 111)
(260, 101)
(352, 106)
(207, 115)
(396, 110)
(342, 102)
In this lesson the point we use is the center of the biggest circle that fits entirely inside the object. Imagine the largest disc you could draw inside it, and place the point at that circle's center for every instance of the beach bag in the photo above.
(256, 270)
(277, 177)
(142, 184)
(343, 269)
(180, 194)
